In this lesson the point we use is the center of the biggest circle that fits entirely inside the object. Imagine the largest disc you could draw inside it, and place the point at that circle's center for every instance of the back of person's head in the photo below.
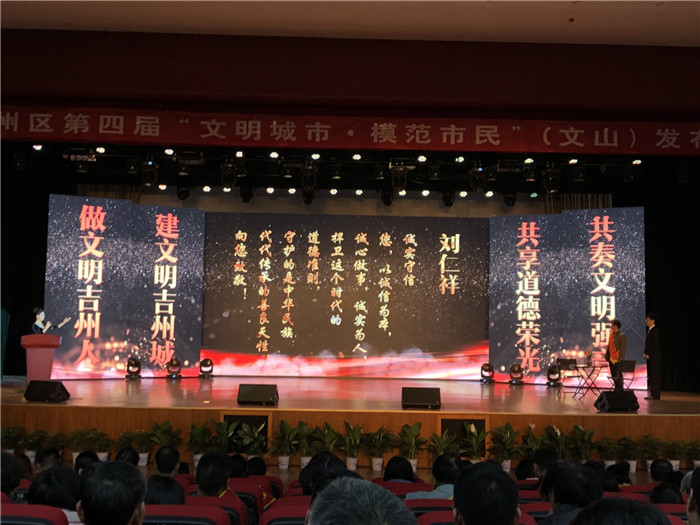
(694, 497)
(665, 493)
(164, 490)
(544, 459)
(525, 469)
(485, 495)
(213, 472)
(323, 480)
(84, 460)
(58, 486)
(607, 480)
(447, 468)
(574, 484)
(112, 494)
(621, 471)
(167, 460)
(256, 466)
(25, 464)
(620, 511)
(594, 465)
(47, 458)
(399, 468)
(685, 482)
(351, 501)
(660, 469)
(321, 463)
(11, 473)
(239, 467)
(129, 455)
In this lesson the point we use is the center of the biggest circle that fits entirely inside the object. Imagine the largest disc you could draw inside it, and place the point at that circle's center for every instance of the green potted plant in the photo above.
(326, 438)
(556, 441)
(581, 442)
(442, 444)
(124, 440)
(164, 435)
(693, 453)
(606, 449)
(410, 442)
(630, 451)
(101, 443)
(650, 447)
(56, 440)
(199, 441)
(224, 434)
(285, 444)
(473, 445)
(529, 442)
(674, 451)
(251, 439)
(306, 446)
(350, 444)
(503, 444)
(80, 440)
(143, 444)
(34, 440)
(12, 437)
(376, 444)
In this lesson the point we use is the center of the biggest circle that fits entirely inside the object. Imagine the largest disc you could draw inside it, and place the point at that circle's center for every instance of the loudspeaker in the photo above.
(413, 397)
(47, 391)
(617, 401)
(258, 395)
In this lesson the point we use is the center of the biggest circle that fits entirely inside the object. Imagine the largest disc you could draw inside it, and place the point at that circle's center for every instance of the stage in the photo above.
(118, 405)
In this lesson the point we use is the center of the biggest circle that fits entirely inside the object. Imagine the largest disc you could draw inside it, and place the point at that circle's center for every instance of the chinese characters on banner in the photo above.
(528, 297)
(337, 280)
(449, 269)
(288, 282)
(361, 268)
(165, 294)
(264, 266)
(385, 288)
(602, 258)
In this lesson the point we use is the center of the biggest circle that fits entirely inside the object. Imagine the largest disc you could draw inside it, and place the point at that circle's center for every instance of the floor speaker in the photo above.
(413, 397)
(47, 391)
(258, 395)
(616, 401)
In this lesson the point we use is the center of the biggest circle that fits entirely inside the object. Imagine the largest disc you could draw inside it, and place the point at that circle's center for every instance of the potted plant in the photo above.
(199, 441)
(143, 444)
(251, 439)
(164, 435)
(224, 434)
(529, 442)
(12, 437)
(674, 451)
(556, 441)
(56, 440)
(650, 447)
(606, 449)
(125, 439)
(34, 440)
(630, 451)
(442, 444)
(503, 444)
(304, 432)
(285, 444)
(473, 445)
(325, 437)
(80, 440)
(410, 442)
(350, 443)
(693, 453)
(376, 444)
(581, 442)
(101, 443)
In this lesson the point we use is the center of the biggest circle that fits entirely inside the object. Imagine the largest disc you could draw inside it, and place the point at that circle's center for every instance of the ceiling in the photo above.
(656, 23)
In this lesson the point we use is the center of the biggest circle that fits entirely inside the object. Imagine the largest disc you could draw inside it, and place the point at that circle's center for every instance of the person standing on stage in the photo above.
(617, 346)
(41, 325)
(652, 353)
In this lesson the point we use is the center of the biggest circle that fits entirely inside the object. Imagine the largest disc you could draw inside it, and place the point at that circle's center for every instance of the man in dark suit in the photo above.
(652, 353)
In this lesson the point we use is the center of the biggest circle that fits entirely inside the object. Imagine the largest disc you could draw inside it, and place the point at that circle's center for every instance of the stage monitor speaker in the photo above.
(47, 391)
(258, 395)
(616, 401)
(413, 397)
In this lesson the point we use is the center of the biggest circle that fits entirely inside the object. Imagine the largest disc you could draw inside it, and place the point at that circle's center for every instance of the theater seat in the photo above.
(421, 506)
(25, 514)
(285, 515)
(235, 508)
(437, 517)
(672, 509)
(537, 509)
(638, 496)
(294, 500)
(184, 515)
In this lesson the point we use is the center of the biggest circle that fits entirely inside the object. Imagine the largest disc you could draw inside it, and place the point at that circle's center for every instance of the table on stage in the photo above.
(587, 375)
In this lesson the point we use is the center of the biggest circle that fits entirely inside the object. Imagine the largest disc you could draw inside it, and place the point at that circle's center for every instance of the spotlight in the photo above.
(173, 369)
(477, 180)
(516, 374)
(246, 192)
(509, 199)
(206, 369)
(487, 373)
(183, 192)
(133, 369)
(149, 172)
(448, 197)
(553, 376)
(387, 195)
(550, 180)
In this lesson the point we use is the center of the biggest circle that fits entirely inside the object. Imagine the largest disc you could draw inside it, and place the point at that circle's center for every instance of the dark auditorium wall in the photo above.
(296, 75)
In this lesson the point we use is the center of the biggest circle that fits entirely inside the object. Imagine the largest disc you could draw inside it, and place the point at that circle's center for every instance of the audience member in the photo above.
(665, 493)
(693, 505)
(238, 466)
(84, 460)
(594, 465)
(113, 494)
(484, 494)
(544, 459)
(398, 468)
(321, 463)
(685, 482)
(167, 461)
(213, 472)
(621, 471)
(570, 486)
(620, 511)
(322, 481)
(164, 490)
(446, 470)
(660, 470)
(25, 464)
(607, 480)
(59, 487)
(525, 469)
(351, 501)
(47, 458)
(11, 475)
(129, 455)
(256, 466)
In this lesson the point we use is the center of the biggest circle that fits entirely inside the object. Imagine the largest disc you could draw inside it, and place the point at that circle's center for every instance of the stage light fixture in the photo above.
(246, 192)
(516, 374)
(477, 179)
(149, 171)
(550, 180)
(173, 369)
(487, 372)
(435, 173)
(379, 172)
(387, 195)
(206, 369)
(553, 376)
(133, 369)
(578, 173)
(183, 192)
(448, 197)
(509, 199)
(183, 171)
(133, 167)
(398, 177)
(228, 173)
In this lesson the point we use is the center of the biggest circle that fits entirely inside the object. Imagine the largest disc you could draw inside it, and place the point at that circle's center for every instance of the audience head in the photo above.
(525, 469)
(621, 471)
(665, 493)
(167, 461)
(693, 505)
(47, 458)
(685, 482)
(25, 464)
(544, 459)
(256, 466)
(399, 468)
(129, 455)
(660, 469)
(607, 480)
(213, 472)
(572, 483)
(11, 473)
(351, 501)
(447, 468)
(239, 467)
(84, 460)
(112, 494)
(323, 480)
(57, 487)
(164, 490)
(484, 494)
(321, 463)
(620, 511)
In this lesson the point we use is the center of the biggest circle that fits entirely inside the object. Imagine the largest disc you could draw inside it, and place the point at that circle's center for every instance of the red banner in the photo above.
(177, 128)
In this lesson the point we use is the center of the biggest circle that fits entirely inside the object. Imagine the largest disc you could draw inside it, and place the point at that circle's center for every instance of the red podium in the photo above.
(40, 349)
